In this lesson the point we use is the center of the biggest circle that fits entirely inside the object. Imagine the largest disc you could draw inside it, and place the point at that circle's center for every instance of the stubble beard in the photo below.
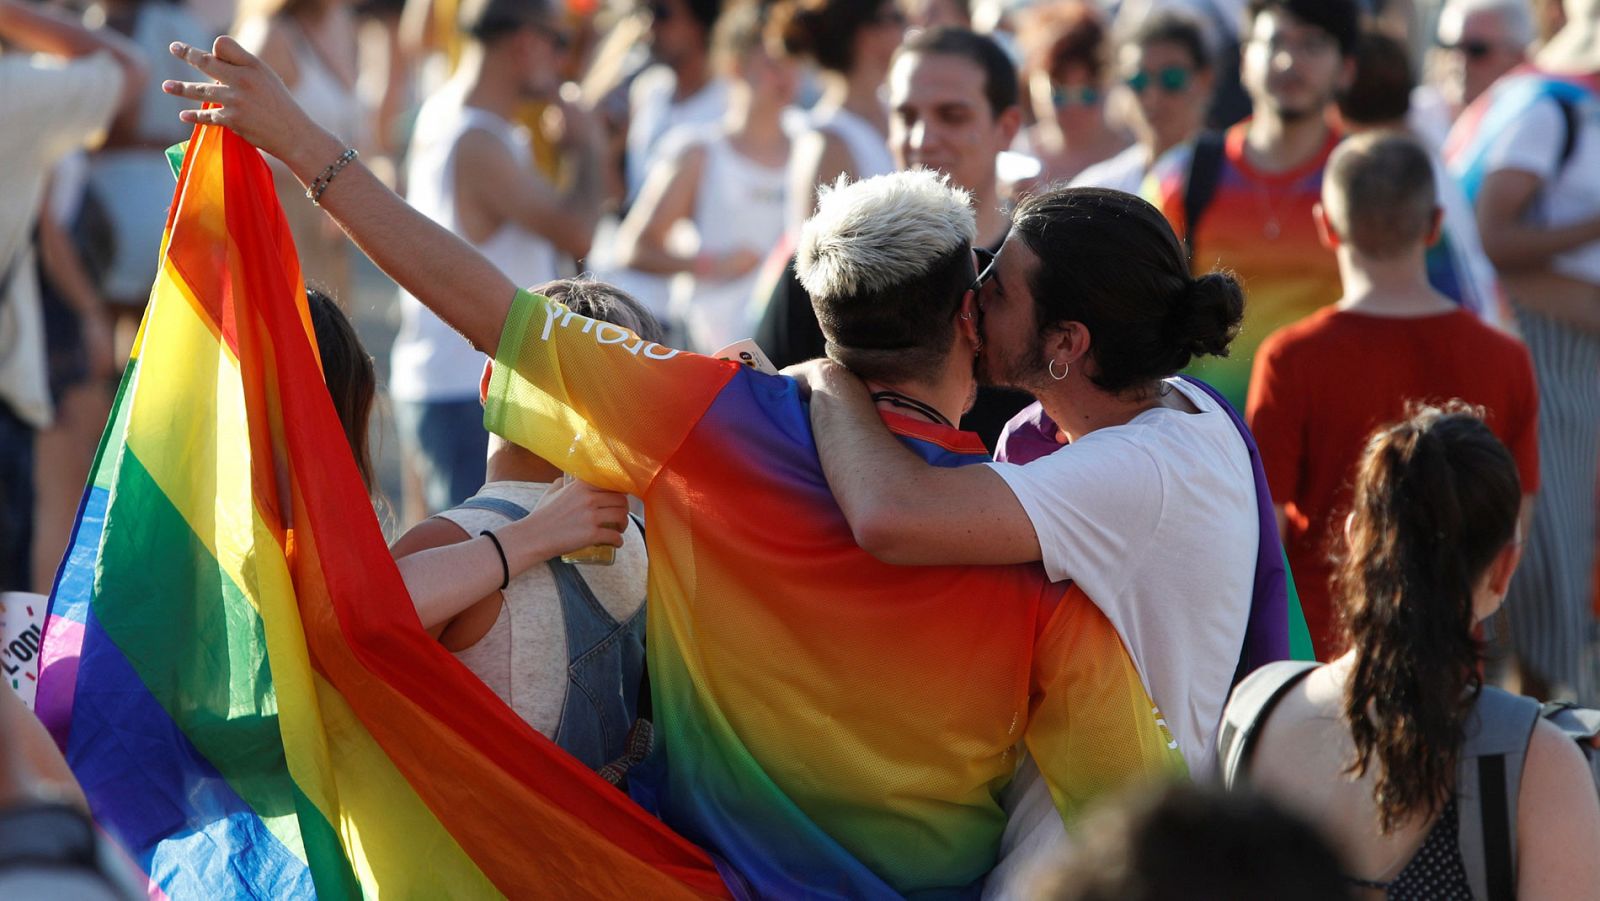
(1021, 371)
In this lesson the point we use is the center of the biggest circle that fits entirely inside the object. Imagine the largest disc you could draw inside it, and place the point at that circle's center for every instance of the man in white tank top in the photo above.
(471, 171)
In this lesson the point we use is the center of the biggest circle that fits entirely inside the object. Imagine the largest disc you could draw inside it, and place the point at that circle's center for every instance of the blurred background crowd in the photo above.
(673, 147)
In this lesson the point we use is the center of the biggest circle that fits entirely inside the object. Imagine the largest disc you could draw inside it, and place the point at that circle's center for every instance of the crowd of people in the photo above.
(1110, 333)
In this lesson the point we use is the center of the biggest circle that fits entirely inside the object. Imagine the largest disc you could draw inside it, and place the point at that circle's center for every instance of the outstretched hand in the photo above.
(249, 98)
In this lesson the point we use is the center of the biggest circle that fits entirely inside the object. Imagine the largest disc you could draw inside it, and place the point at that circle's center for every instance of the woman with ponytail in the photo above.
(1368, 745)
(851, 43)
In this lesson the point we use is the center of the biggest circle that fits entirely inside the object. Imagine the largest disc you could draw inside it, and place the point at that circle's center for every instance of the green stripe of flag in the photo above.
(200, 648)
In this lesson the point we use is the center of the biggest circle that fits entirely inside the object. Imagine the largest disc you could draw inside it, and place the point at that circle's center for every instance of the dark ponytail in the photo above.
(823, 30)
(1437, 498)
(1110, 261)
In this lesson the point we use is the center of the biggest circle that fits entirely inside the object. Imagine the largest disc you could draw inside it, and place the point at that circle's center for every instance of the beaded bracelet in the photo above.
(321, 182)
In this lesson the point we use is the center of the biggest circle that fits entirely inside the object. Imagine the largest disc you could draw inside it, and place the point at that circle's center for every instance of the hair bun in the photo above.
(1205, 320)
(798, 26)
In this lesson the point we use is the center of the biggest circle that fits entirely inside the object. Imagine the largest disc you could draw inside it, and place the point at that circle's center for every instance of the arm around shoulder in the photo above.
(1558, 821)
(901, 509)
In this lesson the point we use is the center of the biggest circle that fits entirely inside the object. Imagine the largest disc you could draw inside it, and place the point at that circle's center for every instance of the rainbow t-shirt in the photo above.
(830, 725)
(1258, 225)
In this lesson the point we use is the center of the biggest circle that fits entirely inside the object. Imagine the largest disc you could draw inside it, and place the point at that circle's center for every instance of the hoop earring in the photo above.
(1066, 369)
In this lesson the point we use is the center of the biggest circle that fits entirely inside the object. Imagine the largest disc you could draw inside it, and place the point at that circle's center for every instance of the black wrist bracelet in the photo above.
(505, 568)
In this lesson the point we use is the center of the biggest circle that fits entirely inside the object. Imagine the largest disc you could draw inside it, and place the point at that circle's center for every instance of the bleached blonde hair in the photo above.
(882, 232)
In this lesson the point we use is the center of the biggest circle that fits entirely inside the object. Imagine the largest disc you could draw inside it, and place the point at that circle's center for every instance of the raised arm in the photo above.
(438, 268)
(901, 509)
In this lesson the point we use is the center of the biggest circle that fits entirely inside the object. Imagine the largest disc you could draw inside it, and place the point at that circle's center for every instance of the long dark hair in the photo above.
(824, 30)
(1110, 260)
(1436, 499)
(347, 370)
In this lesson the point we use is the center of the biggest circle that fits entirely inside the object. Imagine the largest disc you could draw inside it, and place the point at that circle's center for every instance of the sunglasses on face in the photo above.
(1063, 96)
(1473, 50)
(1172, 79)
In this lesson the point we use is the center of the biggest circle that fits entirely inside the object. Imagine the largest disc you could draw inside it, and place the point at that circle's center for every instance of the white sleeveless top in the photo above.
(326, 100)
(523, 657)
(869, 147)
(431, 361)
(741, 203)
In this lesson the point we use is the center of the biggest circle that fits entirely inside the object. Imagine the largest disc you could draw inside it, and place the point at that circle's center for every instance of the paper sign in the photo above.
(21, 634)
(748, 353)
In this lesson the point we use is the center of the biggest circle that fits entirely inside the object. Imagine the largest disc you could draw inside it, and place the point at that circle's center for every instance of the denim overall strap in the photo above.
(505, 508)
(605, 661)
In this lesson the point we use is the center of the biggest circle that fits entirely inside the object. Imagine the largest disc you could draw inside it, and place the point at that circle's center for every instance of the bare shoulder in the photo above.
(432, 532)
(1558, 820)
(479, 147)
(1555, 762)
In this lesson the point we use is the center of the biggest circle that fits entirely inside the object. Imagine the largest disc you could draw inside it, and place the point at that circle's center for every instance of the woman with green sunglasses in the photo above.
(1065, 46)
(1167, 68)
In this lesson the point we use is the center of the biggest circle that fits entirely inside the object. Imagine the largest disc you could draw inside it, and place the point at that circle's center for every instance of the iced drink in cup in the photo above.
(595, 555)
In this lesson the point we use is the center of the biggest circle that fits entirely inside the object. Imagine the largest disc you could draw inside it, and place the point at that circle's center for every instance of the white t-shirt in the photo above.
(50, 108)
(432, 362)
(1571, 193)
(1156, 520)
(1480, 290)
(1123, 172)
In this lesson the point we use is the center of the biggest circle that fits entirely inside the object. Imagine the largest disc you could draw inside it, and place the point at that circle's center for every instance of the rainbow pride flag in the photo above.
(232, 664)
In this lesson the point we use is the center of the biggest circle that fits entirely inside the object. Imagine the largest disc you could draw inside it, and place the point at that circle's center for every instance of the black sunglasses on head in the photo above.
(985, 263)
(1470, 49)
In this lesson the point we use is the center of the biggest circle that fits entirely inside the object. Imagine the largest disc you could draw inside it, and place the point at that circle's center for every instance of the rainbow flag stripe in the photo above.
(232, 663)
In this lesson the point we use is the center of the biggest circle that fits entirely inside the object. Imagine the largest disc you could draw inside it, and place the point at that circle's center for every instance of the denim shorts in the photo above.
(449, 443)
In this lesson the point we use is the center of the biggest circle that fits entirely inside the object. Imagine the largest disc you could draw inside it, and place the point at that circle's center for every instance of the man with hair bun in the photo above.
(1320, 386)
(830, 725)
(1136, 485)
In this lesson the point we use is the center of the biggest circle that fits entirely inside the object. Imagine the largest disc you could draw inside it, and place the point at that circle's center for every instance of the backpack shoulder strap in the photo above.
(1205, 168)
(1488, 778)
(1248, 707)
(1569, 118)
